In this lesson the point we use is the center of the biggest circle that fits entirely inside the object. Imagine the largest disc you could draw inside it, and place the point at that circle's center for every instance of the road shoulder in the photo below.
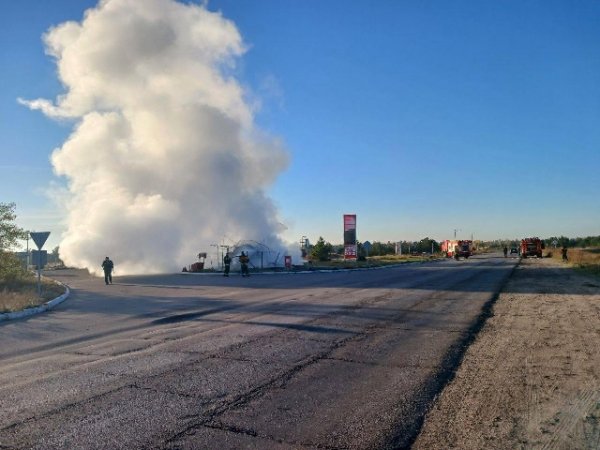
(531, 379)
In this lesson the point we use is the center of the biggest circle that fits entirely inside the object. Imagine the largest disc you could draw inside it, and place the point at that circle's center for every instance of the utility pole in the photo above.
(27, 267)
(217, 250)
(224, 249)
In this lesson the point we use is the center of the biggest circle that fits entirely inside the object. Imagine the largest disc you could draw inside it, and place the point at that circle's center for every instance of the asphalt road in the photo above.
(322, 360)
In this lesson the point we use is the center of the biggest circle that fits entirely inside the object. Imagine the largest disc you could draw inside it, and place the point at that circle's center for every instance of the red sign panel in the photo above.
(349, 251)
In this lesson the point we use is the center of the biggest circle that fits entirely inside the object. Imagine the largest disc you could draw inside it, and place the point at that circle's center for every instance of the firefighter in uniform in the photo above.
(244, 260)
(227, 264)
(107, 266)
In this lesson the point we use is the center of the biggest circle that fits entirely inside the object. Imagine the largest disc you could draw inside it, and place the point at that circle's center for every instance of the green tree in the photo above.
(380, 249)
(54, 257)
(321, 250)
(426, 245)
(361, 252)
(10, 234)
(337, 249)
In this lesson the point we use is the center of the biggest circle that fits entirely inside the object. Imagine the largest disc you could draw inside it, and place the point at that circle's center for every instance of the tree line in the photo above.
(583, 242)
(10, 234)
(13, 265)
(551, 242)
(325, 251)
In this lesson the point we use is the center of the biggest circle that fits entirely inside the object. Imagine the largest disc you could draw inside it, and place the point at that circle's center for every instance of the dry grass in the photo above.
(397, 259)
(23, 295)
(587, 259)
(372, 261)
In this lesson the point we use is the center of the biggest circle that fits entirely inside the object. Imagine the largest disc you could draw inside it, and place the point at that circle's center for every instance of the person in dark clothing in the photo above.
(244, 260)
(505, 251)
(107, 266)
(564, 254)
(227, 264)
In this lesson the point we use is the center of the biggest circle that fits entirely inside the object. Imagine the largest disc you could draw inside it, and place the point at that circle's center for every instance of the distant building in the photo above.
(52, 259)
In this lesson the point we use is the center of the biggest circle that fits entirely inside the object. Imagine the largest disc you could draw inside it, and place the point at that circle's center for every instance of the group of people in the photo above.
(244, 261)
(108, 266)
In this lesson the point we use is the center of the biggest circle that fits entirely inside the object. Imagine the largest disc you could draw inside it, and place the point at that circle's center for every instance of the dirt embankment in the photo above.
(531, 380)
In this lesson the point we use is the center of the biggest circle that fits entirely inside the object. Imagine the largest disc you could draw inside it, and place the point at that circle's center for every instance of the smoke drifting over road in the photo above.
(165, 158)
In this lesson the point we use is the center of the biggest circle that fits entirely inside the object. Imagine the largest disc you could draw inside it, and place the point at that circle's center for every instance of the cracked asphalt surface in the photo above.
(341, 360)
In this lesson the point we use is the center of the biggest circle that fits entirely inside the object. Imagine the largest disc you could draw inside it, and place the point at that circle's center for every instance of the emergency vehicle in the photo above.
(457, 248)
(532, 246)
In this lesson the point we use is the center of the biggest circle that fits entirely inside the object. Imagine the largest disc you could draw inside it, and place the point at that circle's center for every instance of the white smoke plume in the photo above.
(165, 158)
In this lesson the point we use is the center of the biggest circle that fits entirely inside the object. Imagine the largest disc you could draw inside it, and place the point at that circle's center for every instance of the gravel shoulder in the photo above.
(531, 379)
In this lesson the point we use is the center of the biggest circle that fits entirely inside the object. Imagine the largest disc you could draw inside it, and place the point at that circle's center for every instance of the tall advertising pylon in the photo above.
(350, 247)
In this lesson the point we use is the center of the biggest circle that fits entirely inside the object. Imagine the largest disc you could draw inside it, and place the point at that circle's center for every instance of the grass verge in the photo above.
(374, 261)
(21, 293)
(585, 259)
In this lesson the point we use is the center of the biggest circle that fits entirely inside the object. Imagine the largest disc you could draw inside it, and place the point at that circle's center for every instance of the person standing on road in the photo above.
(107, 266)
(227, 264)
(244, 260)
(564, 253)
(505, 251)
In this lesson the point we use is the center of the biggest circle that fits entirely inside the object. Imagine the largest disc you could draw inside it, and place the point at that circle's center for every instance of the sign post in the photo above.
(40, 239)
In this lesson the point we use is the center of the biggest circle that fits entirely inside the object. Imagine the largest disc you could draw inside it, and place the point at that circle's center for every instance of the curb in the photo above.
(37, 309)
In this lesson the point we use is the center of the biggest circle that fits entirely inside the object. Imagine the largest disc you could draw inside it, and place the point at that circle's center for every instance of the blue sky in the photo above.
(420, 117)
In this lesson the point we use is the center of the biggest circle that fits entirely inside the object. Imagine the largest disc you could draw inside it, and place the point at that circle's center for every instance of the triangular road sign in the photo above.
(39, 238)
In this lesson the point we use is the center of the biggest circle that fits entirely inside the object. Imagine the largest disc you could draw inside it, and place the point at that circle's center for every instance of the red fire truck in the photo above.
(532, 246)
(455, 249)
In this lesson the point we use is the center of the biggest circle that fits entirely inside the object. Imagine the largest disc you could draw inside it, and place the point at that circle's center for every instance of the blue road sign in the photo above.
(39, 238)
